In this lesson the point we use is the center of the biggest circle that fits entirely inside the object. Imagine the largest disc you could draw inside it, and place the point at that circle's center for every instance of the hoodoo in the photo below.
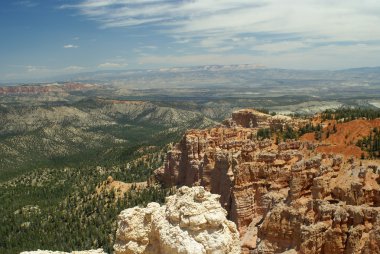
(283, 196)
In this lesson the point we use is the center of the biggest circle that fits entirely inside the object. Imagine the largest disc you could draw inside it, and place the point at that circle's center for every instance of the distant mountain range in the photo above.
(211, 71)
(216, 75)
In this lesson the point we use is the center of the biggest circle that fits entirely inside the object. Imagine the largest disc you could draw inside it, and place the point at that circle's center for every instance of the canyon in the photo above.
(238, 192)
(283, 196)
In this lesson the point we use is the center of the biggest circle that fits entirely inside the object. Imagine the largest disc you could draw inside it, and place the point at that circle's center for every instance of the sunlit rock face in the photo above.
(191, 222)
(283, 196)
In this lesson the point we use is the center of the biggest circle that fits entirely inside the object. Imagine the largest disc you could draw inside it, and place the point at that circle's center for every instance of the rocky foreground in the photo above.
(283, 197)
(192, 222)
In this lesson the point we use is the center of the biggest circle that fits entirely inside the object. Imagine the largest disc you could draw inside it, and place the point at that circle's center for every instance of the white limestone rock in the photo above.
(191, 222)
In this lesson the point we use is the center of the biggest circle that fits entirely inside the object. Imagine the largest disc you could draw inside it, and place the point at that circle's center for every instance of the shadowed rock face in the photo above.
(192, 222)
(283, 197)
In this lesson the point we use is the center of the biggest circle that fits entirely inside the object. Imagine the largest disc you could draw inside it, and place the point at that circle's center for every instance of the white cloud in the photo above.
(73, 68)
(282, 46)
(115, 62)
(256, 26)
(39, 71)
(151, 47)
(109, 65)
(336, 19)
(27, 72)
(47, 70)
(174, 60)
(36, 69)
(70, 46)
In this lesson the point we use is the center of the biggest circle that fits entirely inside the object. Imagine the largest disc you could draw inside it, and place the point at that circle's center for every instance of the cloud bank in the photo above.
(261, 25)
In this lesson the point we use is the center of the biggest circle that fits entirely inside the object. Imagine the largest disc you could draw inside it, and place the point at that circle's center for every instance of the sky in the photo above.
(45, 38)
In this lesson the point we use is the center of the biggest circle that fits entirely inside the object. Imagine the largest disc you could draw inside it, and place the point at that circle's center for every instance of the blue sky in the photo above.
(42, 38)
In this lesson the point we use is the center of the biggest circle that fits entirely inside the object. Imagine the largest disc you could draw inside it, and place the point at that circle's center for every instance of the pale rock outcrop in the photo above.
(250, 118)
(191, 222)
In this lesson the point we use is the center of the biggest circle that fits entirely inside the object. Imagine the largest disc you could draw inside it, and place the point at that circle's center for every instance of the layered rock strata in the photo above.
(283, 197)
(191, 222)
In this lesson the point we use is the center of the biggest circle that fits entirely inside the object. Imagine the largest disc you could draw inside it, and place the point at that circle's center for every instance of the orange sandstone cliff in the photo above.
(283, 197)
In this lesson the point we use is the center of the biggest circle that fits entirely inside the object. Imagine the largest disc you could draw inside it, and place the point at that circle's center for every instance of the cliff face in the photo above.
(192, 222)
(281, 197)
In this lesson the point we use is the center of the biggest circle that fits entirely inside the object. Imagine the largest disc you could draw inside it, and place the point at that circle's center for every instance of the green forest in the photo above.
(55, 158)
(281, 134)
(371, 144)
(347, 114)
(59, 209)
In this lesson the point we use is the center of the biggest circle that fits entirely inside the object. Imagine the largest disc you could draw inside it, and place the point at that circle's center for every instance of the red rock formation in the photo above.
(283, 197)
(345, 136)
